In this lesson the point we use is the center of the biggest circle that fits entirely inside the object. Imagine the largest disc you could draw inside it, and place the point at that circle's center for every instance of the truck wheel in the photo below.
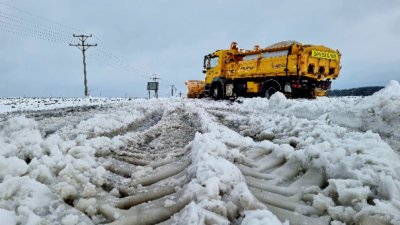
(269, 90)
(216, 91)
(311, 94)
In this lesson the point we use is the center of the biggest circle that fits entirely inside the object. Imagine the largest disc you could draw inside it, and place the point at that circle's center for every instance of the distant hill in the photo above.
(361, 91)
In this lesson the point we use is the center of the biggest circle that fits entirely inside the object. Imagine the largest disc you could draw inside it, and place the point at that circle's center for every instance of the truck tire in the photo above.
(216, 91)
(269, 89)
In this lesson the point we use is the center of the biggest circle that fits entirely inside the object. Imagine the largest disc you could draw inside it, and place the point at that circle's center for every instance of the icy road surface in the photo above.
(179, 161)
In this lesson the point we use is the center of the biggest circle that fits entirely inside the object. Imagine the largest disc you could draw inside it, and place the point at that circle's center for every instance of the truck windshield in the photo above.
(210, 61)
(213, 62)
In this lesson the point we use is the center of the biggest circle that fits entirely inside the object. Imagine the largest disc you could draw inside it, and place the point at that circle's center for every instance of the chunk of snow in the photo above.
(70, 220)
(87, 205)
(261, 217)
(29, 198)
(8, 217)
(12, 166)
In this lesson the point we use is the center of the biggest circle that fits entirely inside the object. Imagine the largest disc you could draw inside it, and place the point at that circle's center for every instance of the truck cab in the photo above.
(214, 68)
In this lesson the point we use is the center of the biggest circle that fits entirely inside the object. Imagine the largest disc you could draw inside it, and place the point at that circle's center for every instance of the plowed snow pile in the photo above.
(180, 161)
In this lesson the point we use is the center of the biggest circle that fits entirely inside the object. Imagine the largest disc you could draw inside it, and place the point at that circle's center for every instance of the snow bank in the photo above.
(379, 112)
(26, 201)
(363, 171)
(40, 176)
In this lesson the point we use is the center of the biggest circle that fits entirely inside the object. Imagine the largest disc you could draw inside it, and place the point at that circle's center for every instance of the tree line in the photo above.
(361, 91)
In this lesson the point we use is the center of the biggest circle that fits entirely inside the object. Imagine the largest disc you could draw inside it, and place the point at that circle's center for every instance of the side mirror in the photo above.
(204, 71)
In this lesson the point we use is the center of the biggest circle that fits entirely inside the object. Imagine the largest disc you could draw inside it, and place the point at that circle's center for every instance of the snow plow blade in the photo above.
(195, 88)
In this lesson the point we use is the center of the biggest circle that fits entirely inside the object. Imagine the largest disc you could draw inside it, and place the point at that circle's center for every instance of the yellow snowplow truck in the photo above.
(290, 67)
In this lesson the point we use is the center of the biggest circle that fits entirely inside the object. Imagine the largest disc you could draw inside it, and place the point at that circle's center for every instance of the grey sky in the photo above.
(170, 38)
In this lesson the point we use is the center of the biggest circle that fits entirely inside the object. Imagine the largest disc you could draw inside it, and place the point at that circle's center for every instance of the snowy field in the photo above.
(29, 104)
(179, 161)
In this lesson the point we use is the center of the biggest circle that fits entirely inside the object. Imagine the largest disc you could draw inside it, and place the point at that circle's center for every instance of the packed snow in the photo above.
(197, 161)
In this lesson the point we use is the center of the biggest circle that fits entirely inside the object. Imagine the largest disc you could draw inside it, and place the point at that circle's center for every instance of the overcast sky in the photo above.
(169, 37)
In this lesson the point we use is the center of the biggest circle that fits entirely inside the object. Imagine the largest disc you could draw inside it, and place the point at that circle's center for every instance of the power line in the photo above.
(25, 24)
(33, 17)
(83, 47)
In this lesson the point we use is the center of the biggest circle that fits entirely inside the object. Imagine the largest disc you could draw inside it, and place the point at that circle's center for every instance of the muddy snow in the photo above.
(180, 161)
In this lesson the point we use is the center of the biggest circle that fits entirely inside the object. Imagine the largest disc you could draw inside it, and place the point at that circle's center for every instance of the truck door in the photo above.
(212, 67)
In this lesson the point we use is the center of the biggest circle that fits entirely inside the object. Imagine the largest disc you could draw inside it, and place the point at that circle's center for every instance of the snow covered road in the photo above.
(179, 161)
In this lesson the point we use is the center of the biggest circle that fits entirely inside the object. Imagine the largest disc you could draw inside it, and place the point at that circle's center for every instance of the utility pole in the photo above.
(173, 88)
(83, 47)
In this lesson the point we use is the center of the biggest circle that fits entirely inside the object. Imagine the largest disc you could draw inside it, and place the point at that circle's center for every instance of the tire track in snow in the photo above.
(281, 184)
(291, 190)
(146, 174)
(52, 120)
(149, 174)
(112, 120)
